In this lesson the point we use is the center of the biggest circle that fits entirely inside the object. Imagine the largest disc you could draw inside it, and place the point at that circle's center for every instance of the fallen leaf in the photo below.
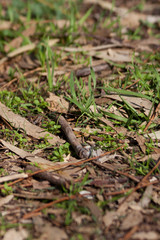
(50, 233)
(151, 235)
(156, 197)
(6, 200)
(15, 234)
(136, 102)
(141, 141)
(80, 219)
(109, 217)
(132, 219)
(155, 135)
(5, 25)
(147, 196)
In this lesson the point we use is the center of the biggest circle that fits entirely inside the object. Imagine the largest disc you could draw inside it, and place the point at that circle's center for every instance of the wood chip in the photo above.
(13, 177)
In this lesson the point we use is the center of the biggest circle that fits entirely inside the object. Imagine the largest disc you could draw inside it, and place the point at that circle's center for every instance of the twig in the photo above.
(80, 151)
(130, 189)
(29, 215)
(54, 179)
(152, 117)
(130, 233)
(133, 84)
(87, 70)
(58, 167)
(117, 171)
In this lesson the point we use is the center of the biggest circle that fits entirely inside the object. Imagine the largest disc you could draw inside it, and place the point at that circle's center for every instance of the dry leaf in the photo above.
(16, 235)
(151, 235)
(141, 141)
(154, 135)
(147, 195)
(135, 102)
(156, 197)
(6, 200)
(5, 25)
(50, 233)
(133, 218)
(109, 217)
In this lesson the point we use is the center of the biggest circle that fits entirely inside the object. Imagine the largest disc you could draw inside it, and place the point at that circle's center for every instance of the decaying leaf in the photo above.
(132, 219)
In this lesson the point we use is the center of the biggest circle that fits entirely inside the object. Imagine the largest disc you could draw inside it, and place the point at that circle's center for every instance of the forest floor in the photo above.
(80, 120)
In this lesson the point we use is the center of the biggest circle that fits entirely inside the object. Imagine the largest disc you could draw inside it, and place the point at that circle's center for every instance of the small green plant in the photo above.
(30, 100)
(3, 172)
(5, 225)
(14, 136)
(77, 187)
(108, 142)
(51, 126)
(72, 205)
(59, 153)
(77, 237)
(47, 59)
(142, 168)
(150, 145)
(6, 190)
(136, 34)
(81, 98)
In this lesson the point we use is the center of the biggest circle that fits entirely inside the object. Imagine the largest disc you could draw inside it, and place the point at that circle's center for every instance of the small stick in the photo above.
(80, 151)
(152, 117)
(130, 190)
(83, 72)
(54, 179)
(130, 233)
(31, 214)
(64, 165)
(117, 171)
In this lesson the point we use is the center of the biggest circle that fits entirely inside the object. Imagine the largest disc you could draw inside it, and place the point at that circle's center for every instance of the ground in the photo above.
(79, 120)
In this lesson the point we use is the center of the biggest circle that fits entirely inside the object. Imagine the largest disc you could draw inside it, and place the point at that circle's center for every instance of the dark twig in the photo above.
(53, 178)
(111, 168)
(79, 150)
(87, 70)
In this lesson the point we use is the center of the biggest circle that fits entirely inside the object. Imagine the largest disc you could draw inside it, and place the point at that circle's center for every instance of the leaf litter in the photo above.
(99, 85)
